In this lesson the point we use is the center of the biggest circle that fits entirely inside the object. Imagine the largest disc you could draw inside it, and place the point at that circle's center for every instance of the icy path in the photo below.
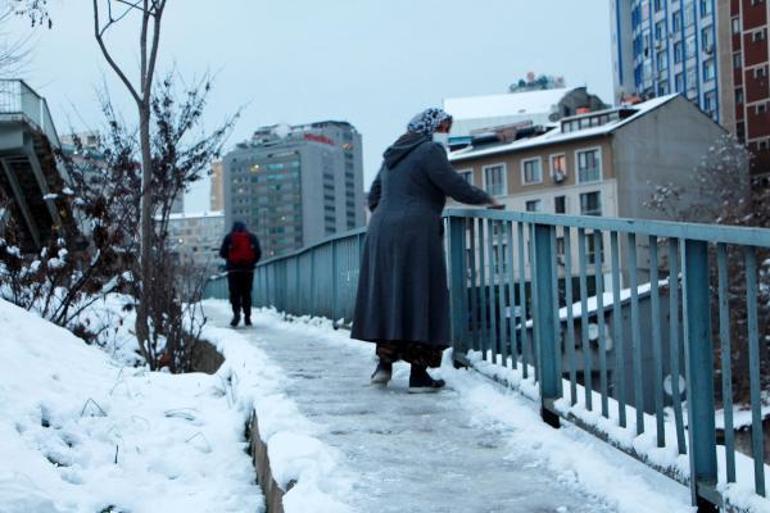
(471, 448)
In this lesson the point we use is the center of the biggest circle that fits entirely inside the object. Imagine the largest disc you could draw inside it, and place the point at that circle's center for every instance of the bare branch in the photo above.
(160, 6)
(100, 40)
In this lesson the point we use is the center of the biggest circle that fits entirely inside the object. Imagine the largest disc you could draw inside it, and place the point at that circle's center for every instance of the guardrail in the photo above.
(21, 102)
(318, 280)
(616, 324)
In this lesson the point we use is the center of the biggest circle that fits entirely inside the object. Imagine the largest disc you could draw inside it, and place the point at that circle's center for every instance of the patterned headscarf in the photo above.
(427, 121)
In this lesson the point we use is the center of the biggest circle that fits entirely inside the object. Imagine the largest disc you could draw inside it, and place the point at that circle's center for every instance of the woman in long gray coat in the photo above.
(403, 302)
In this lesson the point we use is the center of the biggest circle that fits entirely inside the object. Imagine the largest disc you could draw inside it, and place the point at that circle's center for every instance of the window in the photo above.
(759, 35)
(589, 166)
(662, 60)
(676, 21)
(736, 25)
(534, 205)
(689, 15)
(531, 171)
(494, 179)
(709, 69)
(760, 108)
(663, 88)
(560, 204)
(705, 7)
(559, 167)
(760, 72)
(710, 102)
(467, 175)
(707, 40)
(737, 60)
(678, 52)
(590, 204)
(689, 47)
(739, 96)
(593, 240)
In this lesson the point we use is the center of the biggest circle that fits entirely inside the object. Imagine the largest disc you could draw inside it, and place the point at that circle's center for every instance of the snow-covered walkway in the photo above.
(474, 447)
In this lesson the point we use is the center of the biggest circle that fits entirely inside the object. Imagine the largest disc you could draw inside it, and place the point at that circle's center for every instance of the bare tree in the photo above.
(724, 193)
(107, 14)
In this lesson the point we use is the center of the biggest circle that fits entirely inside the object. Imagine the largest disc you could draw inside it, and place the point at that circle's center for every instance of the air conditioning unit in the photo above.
(558, 176)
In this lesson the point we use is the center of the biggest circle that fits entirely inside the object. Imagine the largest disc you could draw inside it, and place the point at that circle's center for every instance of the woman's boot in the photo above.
(421, 382)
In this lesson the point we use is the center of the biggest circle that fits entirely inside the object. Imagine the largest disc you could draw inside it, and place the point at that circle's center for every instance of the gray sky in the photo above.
(373, 63)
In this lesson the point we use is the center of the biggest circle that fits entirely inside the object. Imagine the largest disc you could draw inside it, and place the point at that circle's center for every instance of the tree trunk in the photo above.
(145, 236)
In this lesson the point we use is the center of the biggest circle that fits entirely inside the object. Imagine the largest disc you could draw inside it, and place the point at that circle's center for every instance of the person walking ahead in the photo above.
(241, 250)
(402, 303)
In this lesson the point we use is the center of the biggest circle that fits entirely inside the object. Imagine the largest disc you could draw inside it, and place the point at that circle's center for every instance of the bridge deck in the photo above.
(471, 448)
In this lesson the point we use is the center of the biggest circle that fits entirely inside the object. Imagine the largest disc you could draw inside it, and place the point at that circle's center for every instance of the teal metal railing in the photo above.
(318, 280)
(618, 323)
(19, 102)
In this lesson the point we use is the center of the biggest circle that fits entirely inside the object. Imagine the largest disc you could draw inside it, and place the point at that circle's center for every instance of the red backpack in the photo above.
(241, 252)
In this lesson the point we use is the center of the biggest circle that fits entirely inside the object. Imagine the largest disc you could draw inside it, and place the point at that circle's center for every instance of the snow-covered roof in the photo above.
(503, 105)
(557, 136)
(197, 215)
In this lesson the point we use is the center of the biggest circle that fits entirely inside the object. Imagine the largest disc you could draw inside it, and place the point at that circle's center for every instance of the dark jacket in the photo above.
(224, 250)
(402, 288)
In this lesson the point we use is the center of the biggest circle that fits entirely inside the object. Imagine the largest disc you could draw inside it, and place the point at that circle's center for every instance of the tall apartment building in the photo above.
(217, 194)
(604, 163)
(196, 238)
(714, 52)
(294, 186)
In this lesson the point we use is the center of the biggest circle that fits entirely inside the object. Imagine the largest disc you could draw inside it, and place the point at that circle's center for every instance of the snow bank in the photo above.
(81, 432)
(297, 456)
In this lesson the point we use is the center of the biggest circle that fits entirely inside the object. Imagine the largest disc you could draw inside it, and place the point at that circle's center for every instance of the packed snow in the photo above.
(578, 459)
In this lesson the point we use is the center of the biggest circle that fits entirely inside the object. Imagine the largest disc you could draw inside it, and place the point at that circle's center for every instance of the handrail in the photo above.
(759, 237)
(34, 110)
(322, 242)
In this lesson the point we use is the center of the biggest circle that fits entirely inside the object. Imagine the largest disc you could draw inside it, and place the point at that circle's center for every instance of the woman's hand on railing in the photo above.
(495, 205)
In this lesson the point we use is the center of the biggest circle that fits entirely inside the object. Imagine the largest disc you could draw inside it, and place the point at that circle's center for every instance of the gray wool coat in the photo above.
(402, 288)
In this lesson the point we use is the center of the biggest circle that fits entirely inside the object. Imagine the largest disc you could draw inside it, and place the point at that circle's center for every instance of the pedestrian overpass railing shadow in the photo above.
(651, 335)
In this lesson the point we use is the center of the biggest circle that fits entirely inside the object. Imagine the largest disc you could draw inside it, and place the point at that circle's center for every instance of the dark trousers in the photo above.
(240, 284)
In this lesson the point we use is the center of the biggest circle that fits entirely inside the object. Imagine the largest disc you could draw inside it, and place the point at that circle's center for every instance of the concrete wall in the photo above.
(665, 145)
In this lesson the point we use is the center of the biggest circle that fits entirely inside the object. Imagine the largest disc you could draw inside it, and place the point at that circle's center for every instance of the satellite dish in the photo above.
(669, 388)
(282, 130)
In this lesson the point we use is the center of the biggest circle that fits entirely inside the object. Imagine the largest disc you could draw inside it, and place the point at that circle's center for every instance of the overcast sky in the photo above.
(373, 63)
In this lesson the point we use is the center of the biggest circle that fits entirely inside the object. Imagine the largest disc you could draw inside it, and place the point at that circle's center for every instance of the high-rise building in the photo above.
(196, 238)
(666, 46)
(296, 185)
(714, 52)
(217, 198)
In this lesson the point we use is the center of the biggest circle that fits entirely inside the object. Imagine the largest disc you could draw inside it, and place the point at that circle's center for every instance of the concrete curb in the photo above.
(270, 488)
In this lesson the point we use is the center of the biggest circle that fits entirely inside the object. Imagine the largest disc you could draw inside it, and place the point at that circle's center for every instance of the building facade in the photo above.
(714, 52)
(196, 239)
(667, 46)
(294, 186)
(217, 195)
(603, 163)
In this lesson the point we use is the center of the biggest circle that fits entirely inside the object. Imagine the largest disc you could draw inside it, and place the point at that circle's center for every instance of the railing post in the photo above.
(458, 286)
(699, 368)
(335, 277)
(545, 316)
